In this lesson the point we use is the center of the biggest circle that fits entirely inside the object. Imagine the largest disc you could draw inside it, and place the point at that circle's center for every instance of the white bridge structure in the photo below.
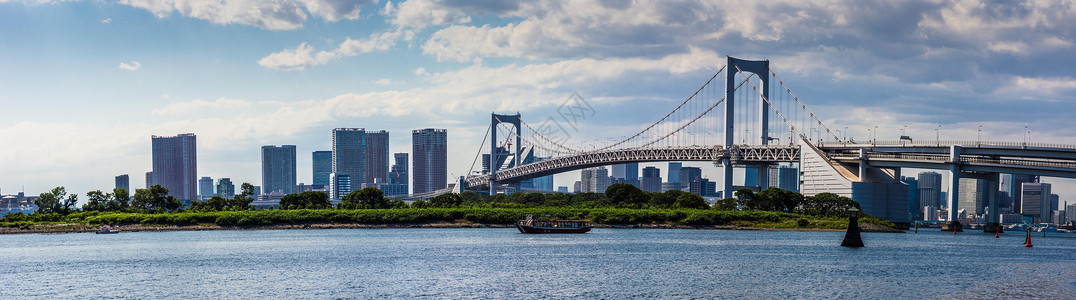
(710, 125)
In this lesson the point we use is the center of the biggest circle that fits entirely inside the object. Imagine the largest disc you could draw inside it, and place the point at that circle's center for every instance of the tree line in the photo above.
(156, 200)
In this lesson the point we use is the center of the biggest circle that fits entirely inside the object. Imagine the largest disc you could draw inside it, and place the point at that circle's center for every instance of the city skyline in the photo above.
(293, 77)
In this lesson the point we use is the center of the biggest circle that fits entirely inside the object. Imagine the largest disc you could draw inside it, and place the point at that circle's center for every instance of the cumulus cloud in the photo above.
(383, 81)
(303, 57)
(134, 65)
(267, 14)
(106, 21)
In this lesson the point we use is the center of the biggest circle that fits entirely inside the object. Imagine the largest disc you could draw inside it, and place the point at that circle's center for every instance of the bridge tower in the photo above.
(760, 68)
(494, 164)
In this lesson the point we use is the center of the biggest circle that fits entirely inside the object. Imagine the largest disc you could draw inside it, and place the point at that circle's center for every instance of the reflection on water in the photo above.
(502, 263)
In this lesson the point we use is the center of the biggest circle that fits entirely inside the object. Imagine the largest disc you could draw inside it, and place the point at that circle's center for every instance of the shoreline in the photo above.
(89, 228)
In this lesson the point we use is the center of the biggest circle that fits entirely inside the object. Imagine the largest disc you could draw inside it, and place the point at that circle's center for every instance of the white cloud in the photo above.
(196, 106)
(106, 20)
(304, 57)
(383, 81)
(420, 71)
(267, 14)
(134, 65)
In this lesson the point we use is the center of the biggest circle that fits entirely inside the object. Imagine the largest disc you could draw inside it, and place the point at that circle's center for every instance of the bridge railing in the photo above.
(942, 158)
(944, 143)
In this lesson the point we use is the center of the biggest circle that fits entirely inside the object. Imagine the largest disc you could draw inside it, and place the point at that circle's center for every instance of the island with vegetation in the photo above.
(621, 206)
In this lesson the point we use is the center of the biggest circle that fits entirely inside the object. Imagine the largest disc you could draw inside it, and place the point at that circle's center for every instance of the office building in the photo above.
(930, 193)
(349, 153)
(278, 170)
(689, 174)
(175, 165)
(339, 185)
(785, 178)
(322, 166)
(1034, 201)
(595, 180)
(149, 179)
(915, 209)
(429, 150)
(205, 188)
(398, 173)
(674, 172)
(123, 182)
(627, 173)
(225, 188)
(973, 196)
(377, 156)
(1070, 213)
(651, 180)
(702, 187)
(1011, 189)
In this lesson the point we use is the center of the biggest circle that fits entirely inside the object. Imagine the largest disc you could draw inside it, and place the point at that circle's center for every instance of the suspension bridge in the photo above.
(748, 106)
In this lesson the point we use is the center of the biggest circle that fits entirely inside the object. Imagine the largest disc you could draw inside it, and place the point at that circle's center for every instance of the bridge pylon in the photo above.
(494, 153)
(760, 68)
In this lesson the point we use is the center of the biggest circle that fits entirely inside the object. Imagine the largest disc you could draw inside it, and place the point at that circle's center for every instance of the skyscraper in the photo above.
(323, 165)
(595, 180)
(349, 153)
(1011, 187)
(225, 188)
(1034, 199)
(123, 182)
(175, 165)
(398, 174)
(930, 189)
(674, 172)
(149, 179)
(973, 193)
(340, 185)
(278, 170)
(651, 180)
(205, 188)
(627, 173)
(430, 162)
(689, 174)
(377, 156)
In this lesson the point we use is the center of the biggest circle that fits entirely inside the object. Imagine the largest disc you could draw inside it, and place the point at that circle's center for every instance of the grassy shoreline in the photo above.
(434, 218)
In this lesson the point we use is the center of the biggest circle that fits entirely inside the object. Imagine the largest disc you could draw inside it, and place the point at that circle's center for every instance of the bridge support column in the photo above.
(993, 217)
(728, 178)
(953, 197)
(863, 165)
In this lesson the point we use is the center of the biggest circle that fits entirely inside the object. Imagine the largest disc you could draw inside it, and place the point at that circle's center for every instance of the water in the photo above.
(501, 263)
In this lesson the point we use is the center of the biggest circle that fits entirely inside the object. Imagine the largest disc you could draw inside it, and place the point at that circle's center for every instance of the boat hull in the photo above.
(107, 232)
(532, 229)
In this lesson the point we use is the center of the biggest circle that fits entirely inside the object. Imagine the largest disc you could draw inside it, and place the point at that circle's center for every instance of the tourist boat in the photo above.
(107, 230)
(531, 225)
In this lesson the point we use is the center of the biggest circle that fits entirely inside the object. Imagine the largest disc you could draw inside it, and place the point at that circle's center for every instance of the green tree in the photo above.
(446, 200)
(155, 199)
(122, 197)
(97, 201)
(746, 199)
(368, 197)
(242, 201)
(623, 194)
(726, 204)
(55, 202)
(692, 201)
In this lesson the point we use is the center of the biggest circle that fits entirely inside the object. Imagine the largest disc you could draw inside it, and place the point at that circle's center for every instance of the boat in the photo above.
(531, 225)
(107, 230)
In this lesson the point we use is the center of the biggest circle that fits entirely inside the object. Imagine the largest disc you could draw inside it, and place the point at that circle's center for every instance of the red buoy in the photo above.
(996, 233)
(1027, 243)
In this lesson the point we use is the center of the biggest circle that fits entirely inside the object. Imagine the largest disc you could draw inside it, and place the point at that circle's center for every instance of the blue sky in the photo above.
(85, 83)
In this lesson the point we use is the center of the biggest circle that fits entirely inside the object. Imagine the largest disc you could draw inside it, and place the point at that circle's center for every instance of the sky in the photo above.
(85, 84)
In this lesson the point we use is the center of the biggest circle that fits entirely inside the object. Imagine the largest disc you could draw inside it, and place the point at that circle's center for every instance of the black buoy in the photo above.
(851, 237)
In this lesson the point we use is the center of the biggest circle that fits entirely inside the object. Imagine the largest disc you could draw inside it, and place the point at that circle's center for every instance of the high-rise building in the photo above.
(429, 150)
(595, 180)
(323, 165)
(205, 188)
(1034, 199)
(915, 209)
(785, 178)
(702, 187)
(1011, 188)
(149, 179)
(339, 186)
(628, 172)
(973, 195)
(689, 174)
(377, 156)
(278, 170)
(930, 193)
(1070, 213)
(674, 172)
(175, 165)
(123, 182)
(349, 153)
(651, 180)
(398, 174)
(225, 188)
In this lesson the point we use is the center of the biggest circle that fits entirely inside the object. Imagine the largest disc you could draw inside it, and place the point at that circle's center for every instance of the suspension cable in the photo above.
(804, 106)
(484, 137)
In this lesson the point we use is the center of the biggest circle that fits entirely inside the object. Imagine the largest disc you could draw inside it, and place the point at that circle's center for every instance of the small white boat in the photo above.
(107, 230)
